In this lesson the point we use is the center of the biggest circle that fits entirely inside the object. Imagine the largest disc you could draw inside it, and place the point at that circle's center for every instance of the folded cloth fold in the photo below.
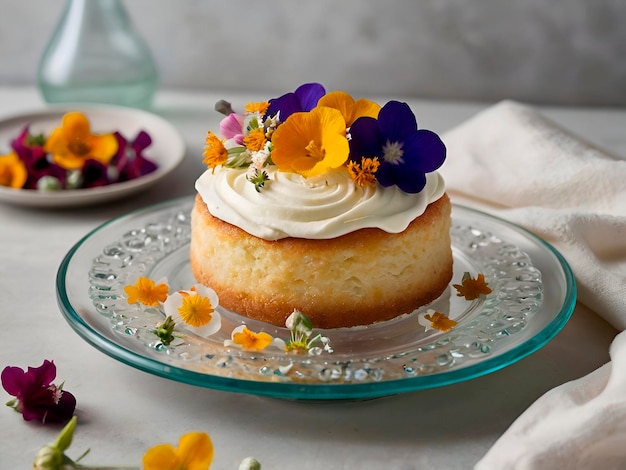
(515, 163)
(579, 425)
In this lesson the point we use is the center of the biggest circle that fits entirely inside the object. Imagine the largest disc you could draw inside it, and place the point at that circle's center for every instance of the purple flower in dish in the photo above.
(129, 161)
(35, 395)
(405, 153)
(305, 98)
(30, 150)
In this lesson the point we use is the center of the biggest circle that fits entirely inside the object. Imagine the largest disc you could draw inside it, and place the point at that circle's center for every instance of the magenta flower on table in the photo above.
(36, 397)
(406, 153)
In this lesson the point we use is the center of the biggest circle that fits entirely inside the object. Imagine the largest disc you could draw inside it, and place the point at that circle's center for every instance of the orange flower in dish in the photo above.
(12, 171)
(147, 292)
(73, 143)
(350, 110)
(436, 321)
(310, 143)
(248, 339)
(471, 288)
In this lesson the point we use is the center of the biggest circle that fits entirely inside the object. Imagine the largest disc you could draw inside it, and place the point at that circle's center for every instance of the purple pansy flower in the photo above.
(35, 395)
(405, 153)
(305, 98)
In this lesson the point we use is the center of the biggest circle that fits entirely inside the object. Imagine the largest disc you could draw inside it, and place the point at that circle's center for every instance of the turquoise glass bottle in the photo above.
(96, 56)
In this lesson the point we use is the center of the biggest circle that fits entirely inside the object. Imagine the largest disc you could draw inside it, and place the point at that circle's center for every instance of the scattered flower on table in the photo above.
(72, 157)
(310, 132)
(194, 452)
(433, 320)
(472, 288)
(36, 397)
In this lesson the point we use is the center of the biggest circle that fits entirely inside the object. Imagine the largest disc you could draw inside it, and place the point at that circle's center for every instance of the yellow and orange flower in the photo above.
(13, 172)
(244, 338)
(195, 308)
(350, 109)
(147, 292)
(310, 143)
(195, 452)
(73, 143)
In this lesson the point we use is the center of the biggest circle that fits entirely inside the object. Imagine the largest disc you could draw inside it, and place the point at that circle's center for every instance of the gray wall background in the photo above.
(570, 52)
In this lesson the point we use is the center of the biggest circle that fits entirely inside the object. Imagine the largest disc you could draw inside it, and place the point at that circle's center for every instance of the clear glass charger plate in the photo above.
(533, 296)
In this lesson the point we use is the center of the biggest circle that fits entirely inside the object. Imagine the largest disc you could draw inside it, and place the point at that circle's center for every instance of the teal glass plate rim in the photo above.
(551, 315)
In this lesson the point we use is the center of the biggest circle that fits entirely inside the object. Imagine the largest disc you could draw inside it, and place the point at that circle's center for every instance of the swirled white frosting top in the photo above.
(320, 207)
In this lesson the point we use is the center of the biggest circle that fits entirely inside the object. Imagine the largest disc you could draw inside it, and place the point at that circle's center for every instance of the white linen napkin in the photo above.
(512, 162)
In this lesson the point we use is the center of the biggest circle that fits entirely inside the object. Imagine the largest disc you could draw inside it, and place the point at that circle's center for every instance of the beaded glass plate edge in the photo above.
(533, 296)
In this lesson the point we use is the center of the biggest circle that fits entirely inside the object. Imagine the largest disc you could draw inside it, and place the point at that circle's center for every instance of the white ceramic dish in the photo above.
(167, 151)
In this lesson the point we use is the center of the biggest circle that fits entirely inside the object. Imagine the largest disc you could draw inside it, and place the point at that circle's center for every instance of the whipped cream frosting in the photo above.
(322, 207)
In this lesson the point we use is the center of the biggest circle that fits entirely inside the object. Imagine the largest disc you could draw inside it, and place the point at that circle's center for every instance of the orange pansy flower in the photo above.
(248, 339)
(350, 109)
(73, 143)
(310, 143)
(13, 172)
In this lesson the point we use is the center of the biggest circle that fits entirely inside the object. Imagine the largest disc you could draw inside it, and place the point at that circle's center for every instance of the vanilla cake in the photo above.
(318, 202)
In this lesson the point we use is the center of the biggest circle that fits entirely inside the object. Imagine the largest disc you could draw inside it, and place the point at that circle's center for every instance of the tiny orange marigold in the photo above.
(257, 107)
(364, 173)
(215, 154)
(255, 140)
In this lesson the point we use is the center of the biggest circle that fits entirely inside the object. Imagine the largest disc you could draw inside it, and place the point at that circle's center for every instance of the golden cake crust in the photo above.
(356, 279)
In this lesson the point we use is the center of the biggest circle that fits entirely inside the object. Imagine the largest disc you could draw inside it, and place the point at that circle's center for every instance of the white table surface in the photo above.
(123, 411)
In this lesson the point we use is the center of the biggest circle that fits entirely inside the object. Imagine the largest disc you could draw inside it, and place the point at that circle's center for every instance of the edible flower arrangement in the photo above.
(310, 131)
(195, 310)
(72, 157)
